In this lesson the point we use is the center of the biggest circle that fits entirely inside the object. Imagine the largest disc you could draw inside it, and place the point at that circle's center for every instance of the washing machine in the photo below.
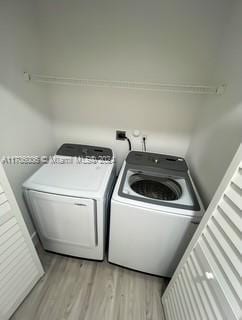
(155, 210)
(69, 198)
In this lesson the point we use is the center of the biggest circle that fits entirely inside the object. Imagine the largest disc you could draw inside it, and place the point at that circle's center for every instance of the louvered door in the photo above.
(20, 267)
(207, 282)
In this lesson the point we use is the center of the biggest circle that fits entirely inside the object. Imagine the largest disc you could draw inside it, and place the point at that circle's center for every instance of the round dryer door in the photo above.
(159, 188)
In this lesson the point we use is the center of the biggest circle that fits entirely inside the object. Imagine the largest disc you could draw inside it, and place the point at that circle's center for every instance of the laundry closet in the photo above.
(120, 148)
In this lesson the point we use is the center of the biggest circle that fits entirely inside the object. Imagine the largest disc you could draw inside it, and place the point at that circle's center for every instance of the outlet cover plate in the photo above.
(120, 135)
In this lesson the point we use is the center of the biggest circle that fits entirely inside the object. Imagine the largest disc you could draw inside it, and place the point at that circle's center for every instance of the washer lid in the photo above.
(184, 206)
(73, 178)
(162, 187)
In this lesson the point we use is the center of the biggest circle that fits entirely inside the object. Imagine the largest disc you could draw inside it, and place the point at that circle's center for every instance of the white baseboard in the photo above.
(35, 238)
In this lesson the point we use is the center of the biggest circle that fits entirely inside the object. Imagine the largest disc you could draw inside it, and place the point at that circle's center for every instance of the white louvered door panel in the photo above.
(207, 282)
(5, 211)
(20, 267)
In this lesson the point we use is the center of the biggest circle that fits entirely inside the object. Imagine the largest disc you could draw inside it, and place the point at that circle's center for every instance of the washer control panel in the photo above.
(157, 160)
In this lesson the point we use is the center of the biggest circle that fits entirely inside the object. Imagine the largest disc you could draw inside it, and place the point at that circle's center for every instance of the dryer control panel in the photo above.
(84, 151)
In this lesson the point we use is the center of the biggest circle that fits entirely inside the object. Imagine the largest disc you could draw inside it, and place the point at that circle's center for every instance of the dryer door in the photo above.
(64, 220)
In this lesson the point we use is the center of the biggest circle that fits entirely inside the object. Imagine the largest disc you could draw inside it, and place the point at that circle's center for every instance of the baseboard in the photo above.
(35, 238)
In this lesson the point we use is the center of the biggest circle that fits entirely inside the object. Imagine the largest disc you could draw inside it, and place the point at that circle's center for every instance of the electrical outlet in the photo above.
(120, 135)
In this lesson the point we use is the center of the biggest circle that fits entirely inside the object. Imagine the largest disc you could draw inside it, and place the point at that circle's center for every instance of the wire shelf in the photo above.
(135, 85)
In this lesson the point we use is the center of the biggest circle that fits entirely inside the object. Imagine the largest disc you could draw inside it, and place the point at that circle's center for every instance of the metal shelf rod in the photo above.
(151, 86)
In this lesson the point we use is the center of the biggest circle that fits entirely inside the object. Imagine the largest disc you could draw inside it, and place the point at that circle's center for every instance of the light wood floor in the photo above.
(77, 289)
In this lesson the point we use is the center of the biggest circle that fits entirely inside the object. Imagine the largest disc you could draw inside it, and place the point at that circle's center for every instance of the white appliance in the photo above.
(69, 198)
(155, 209)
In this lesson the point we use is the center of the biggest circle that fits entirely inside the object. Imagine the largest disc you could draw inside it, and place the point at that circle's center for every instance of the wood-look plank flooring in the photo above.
(74, 289)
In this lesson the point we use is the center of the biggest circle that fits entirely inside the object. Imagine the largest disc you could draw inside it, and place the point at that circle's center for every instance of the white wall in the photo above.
(92, 115)
(24, 114)
(219, 130)
(170, 41)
